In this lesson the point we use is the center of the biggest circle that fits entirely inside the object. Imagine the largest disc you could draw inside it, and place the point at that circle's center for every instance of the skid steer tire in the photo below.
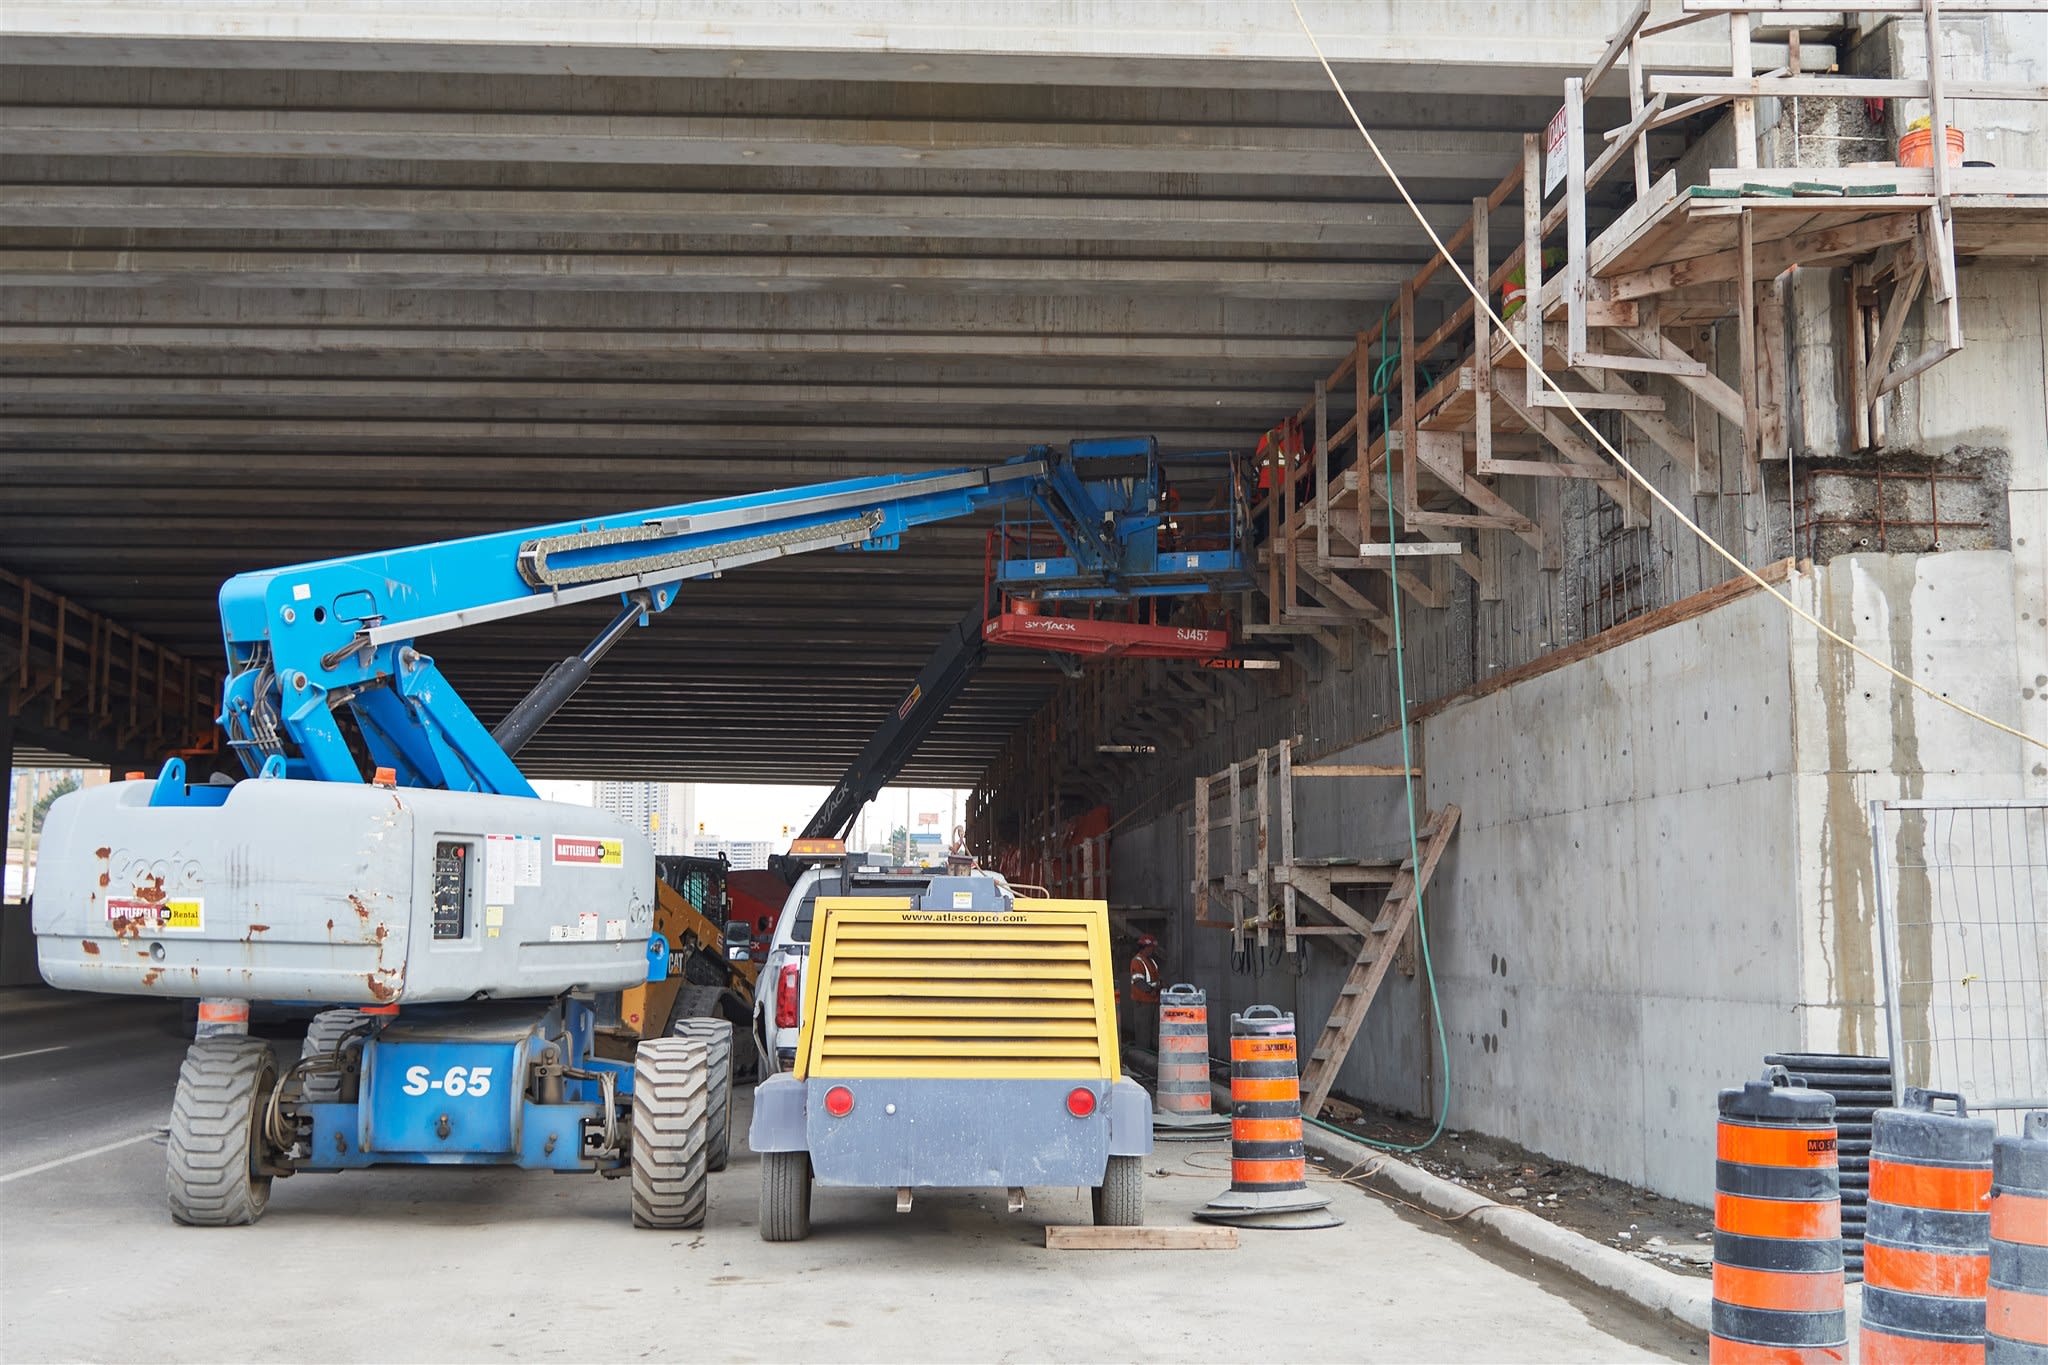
(716, 1035)
(1119, 1201)
(671, 1078)
(785, 1196)
(216, 1139)
(323, 1035)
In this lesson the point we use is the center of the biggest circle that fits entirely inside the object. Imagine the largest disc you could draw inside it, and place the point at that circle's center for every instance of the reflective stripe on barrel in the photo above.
(1266, 1152)
(1926, 1247)
(2016, 1296)
(1183, 1050)
(1777, 1227)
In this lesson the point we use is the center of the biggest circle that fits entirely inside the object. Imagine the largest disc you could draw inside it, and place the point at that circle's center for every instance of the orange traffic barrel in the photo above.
(1184, 1050)
(2016, 1294)
(1927, 1246)
(1777, 1226)
(1268, 1164)
(1181, 1102)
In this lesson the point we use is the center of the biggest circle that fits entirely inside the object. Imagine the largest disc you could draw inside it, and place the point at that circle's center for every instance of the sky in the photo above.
(759, 811)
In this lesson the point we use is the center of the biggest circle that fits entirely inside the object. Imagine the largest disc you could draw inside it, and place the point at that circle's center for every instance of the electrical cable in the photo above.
(1381, 383)
(1479, 301)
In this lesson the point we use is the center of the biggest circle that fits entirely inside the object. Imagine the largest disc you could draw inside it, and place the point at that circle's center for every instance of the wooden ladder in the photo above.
(1375, 955)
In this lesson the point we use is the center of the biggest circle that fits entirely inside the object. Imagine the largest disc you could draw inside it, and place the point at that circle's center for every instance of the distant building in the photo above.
(28, 790)
(745, 855)
(663, 811)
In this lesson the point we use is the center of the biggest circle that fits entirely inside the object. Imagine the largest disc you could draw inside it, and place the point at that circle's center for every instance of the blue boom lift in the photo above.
(386, 850)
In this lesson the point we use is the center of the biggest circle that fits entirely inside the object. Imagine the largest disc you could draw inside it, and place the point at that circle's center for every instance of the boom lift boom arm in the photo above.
(310, 644)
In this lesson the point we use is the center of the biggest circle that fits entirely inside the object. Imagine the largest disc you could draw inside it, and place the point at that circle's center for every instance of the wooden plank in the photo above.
(1745, 106)
(1482, 338)
(1353, 770)
(1623, 41)
(1859, 343)
(1406, 305)
(1575, 219)
(1613, 402)
(1532, 263)
(1637, 218)
(1629, 136)
(1236, 852)
(1635, 135)
(1903, 294)
(1089, 1237)
(1319, 885)
(1838, 87)
(1406, 548)
(1772, 439)
(1745, 336)
(1846, 239)
(1288, 905)
(1322, 470)
(1288, 472)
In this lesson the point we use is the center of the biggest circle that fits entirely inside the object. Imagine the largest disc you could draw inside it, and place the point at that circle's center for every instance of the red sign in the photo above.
(1554, 139)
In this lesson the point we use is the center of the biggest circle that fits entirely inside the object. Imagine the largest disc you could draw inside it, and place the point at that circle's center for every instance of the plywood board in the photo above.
(1088, 1237)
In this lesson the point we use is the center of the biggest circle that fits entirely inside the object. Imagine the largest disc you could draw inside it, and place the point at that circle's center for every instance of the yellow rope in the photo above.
(1479, 301)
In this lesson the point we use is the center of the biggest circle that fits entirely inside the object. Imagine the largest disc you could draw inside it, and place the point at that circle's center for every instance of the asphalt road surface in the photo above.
(507, 1265)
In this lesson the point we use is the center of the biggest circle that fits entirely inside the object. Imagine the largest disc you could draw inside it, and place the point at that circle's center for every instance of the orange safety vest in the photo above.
(1144, 980)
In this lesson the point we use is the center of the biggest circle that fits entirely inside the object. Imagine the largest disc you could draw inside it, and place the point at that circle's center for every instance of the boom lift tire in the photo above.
(323, 1036)
(214, 1174)
(785, 1196)
(1119, 1201)
(671, 1081)
(721, 1002)
(716, 1035)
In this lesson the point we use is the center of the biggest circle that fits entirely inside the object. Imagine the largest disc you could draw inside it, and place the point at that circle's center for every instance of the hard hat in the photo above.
(1147, 941)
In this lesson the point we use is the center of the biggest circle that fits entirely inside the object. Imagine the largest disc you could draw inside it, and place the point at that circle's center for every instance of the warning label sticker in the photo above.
(180, 915)
(590, 851)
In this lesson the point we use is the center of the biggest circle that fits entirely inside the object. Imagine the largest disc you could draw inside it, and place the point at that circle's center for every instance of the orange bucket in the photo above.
(1916, 147)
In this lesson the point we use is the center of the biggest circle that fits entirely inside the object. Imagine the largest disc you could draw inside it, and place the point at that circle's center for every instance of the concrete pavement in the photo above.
(452, 1265)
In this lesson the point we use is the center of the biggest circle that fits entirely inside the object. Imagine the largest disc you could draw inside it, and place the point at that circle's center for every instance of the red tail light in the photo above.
(839, 1101)
(1081, 1102)
(788, 995)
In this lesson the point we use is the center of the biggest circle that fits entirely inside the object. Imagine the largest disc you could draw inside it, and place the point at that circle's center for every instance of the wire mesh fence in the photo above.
(1963, 915)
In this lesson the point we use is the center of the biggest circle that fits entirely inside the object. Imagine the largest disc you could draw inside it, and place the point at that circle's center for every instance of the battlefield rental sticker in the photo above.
(183, 915)
(592, 851)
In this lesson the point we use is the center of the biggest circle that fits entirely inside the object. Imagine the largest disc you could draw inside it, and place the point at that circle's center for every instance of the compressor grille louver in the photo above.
(916, 993)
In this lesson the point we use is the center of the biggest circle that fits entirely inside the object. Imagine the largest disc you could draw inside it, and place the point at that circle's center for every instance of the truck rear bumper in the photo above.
(952, 1133)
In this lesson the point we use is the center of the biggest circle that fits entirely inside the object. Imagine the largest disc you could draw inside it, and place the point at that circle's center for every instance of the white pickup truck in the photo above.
(778, 1000)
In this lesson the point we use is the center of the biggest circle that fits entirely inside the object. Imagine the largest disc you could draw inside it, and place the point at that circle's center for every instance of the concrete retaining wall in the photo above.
(1663, 868)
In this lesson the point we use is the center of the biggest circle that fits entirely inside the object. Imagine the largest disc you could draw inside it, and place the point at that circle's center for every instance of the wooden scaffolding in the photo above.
(1272, 900)
(1406, 484)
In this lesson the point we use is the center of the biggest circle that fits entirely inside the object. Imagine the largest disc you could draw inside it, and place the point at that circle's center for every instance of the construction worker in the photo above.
(1141, 1020)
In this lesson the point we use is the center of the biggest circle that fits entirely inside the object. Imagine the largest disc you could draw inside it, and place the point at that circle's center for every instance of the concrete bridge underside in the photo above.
(283, 285)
